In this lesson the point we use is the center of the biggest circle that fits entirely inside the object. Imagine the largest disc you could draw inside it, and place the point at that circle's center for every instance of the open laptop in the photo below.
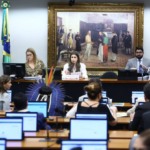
(83, 145)
(29, 120)
(91, 116)
(124, 74)
(38, 106)
(11, 128)
(88, 129)
(2, 144)
(135, 95)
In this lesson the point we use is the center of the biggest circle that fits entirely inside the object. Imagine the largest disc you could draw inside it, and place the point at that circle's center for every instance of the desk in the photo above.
(119, 91)
(35, 143)
(64, 134)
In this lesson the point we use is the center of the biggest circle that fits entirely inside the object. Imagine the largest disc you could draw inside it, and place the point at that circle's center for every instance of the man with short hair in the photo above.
(139, 62)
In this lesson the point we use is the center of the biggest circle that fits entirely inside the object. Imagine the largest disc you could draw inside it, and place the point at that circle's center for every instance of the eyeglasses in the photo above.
(138, 52)
(29, 55)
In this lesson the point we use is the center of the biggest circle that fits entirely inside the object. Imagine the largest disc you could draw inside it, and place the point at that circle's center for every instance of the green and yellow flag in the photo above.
(5, 36)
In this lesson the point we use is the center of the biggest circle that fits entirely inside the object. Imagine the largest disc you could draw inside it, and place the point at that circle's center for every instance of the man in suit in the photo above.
(139, 62)
(21, 105)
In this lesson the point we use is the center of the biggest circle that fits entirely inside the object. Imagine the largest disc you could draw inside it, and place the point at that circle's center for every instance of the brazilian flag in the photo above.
(5, 36)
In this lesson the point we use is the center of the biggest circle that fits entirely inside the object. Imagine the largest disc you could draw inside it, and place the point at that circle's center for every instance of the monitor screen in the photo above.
(136, 95)
(14, 69)
(124, 74)
(37, 106)
(92, 116)
(29, 120)
(2, 144)
(11, 128)
(83, 145)
(88, 129)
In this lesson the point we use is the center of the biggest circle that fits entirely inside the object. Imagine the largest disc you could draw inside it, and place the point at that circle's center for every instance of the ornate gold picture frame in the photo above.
(65, 22)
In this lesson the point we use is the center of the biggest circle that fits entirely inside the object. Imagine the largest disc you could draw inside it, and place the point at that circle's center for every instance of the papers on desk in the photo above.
(121, 114)
(33, 78)
(70, 77)
(118, 104)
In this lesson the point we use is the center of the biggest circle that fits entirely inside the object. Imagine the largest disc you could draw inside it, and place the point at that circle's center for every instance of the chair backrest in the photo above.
(146, 120)
(1, 104)
(109, 75)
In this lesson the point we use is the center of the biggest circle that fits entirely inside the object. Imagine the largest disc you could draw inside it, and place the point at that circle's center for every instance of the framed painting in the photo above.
(104, 34)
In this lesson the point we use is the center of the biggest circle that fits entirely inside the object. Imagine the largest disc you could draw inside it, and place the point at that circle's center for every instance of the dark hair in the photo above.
(20, 101)
(93, 89)
(139, 48)
(3, 80)
(71, 65)
(147, 91)
(45, 90)
(145, 135)
(97, 80)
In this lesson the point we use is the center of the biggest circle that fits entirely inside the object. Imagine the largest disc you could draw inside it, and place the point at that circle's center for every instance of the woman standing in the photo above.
(74, 65)
(5, 84)
(33, 65)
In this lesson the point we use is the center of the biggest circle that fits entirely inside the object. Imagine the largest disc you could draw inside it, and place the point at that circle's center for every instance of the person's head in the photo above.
(147, 91)
(139, 52)
(89, 32)
(142, 142)
(100, 33)
(93, 90)
(5, 83)
(20, 101)
(74, 58)
(97, 80)
(45, 90)
(31, 55)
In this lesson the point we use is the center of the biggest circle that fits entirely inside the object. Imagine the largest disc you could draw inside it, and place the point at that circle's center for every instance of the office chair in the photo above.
(109, 75)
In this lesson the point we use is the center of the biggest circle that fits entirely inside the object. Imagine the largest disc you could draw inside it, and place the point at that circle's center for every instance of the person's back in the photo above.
(21, 105)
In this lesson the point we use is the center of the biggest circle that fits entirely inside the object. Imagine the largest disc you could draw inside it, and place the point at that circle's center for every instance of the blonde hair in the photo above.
(31, 50)
(93, 89)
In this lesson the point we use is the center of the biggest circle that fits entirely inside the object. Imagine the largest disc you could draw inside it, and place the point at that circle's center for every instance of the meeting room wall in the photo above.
(28, 25)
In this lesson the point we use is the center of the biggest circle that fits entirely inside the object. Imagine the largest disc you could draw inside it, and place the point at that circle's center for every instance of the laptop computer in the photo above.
(38, 106)
(2, 144)
(135, 95)
(29, 120)
(124, 74)
(88, 129)
(91, 116)
(11, 128)
(83, 145)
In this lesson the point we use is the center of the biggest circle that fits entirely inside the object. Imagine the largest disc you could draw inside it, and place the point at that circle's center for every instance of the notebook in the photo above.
(29, 120)
(11, 128)
(88, 129)
(136, 95)
(83, 145)
(2, 144)
(38, 106)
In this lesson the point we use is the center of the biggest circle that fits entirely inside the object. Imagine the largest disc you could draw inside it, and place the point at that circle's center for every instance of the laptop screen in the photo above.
(29, 120)
(92, 116)
(2, 144)
(136, 95)
(40, 107)
(83, 145)
(11, 128)
(88, 129)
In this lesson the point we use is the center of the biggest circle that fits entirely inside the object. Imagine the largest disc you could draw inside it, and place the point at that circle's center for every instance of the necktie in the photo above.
(140, 67)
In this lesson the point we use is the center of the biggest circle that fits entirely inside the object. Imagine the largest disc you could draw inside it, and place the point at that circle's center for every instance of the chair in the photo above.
(146, 120)
(1, 104)
(109, 75)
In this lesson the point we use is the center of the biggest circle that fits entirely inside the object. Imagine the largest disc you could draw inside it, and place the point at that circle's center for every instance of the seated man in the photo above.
(21, 105)
(141, 64)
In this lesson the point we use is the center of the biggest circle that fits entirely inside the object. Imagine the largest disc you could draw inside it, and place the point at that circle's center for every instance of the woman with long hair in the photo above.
(74, 65)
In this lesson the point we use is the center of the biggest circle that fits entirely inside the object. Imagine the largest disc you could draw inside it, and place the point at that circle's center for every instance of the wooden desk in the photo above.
(64, 134)
(36, 143)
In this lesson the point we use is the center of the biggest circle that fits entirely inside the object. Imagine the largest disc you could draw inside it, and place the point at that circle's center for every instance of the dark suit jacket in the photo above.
(137, 123)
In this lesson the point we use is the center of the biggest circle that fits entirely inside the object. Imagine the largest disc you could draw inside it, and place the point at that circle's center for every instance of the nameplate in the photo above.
(70, 77)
